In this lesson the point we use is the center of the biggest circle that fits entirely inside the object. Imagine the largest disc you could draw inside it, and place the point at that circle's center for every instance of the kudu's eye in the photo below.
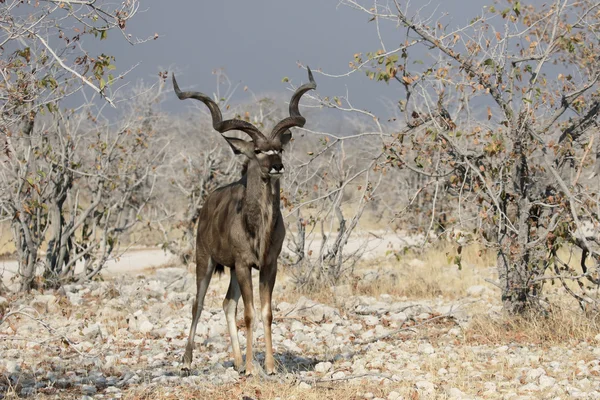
(257, 151)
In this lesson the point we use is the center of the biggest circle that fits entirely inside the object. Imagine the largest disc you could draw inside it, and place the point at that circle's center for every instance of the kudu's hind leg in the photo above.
(230, 307)
(266, 284)
(244, 277)
(203, 275)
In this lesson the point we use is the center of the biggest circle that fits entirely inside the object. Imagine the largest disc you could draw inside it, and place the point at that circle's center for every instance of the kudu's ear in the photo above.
(240, 146)
(285, 137)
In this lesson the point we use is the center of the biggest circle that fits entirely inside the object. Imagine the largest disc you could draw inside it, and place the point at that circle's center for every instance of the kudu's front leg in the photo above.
(230, 307)
(244, 277)
(267, 278)
(204, 271)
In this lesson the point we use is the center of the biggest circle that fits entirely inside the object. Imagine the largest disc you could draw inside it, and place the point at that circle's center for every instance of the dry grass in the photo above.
(430, 274)
(255, 388)
(559, 326)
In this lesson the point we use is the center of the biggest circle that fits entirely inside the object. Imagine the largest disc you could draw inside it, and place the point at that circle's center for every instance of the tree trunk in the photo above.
(517, 267)
(27, 256)
(514, 277)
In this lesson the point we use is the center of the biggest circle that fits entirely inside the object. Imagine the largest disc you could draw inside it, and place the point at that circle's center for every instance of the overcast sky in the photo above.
(259, 42)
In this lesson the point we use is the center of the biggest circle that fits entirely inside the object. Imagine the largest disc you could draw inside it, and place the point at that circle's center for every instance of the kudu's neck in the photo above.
(262, 197)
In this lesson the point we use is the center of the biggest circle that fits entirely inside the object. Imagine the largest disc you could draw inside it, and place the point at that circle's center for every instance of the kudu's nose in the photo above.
(277, 169)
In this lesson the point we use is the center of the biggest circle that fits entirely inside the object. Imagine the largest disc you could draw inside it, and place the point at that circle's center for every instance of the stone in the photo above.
(530, 387)
(304, 386)
(323, 367)
(110, 361)
(425, 386)
(44, 303)
(426, 348)
(88, 389)
(546, 382)
(534, 374)
(4, 303)
(339, 375)
(394, 396)
(454, 332)
(12, 367)
(398, 317)
(313, 311)
(92, 331)
(75, 298)
(455, 393)
(138, 322)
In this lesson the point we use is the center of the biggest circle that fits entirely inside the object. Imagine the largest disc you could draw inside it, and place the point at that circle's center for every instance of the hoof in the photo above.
(250, 372)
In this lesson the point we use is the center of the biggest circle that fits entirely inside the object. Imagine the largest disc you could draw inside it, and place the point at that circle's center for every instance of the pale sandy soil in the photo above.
(375, 244)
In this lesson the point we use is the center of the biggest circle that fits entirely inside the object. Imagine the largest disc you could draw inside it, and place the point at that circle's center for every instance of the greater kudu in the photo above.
(241, 227)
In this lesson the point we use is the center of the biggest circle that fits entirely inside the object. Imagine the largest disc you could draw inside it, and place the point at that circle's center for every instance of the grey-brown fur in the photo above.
(240, 226)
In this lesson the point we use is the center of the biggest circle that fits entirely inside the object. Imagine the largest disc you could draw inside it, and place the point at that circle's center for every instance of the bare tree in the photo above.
(502, 114)
(74, 187)
(62, 170)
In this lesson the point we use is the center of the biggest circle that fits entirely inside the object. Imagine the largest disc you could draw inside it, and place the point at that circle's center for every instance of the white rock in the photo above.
(138, 322)
(425, 386)
(584, 384)
(546, 382)
(367, 335)
(455, 393)
(339, 375)
(12, 367)
(313, 311)
(534, 374)
(423, 316)
(44, 302)
(178, 297)
(380, 331)
(530, 387)
(398, 317)
(172, 333)
(146, 326)
(92, 331)
(426, 348)
(454, 332)
(291, 346)
(304, 386)
(394, 396)
(75, 298)
(371, 320)
(323, 367)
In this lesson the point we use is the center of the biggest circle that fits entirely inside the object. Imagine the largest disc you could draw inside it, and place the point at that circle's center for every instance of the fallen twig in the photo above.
(49, 328)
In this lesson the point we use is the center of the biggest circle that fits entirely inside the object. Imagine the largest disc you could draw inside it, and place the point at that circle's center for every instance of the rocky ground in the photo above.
(124, 338)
